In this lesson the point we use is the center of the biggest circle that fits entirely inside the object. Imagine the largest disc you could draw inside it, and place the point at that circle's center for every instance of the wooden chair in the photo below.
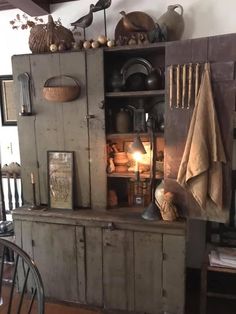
(11, 195)
(218, 235)
(25, 293)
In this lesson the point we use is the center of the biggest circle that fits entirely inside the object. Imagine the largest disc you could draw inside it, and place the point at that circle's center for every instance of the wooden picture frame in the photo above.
(60, 165)
(8, 108)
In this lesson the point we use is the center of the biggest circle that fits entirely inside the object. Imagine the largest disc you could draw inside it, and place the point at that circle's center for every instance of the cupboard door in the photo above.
(148, 272)
(55, 256)
(94, 281)
(118, 269)
(174, 273)
(81, 268)
(54, 126)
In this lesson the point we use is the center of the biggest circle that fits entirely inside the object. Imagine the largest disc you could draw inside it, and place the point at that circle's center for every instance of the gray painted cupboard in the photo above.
(111, 259)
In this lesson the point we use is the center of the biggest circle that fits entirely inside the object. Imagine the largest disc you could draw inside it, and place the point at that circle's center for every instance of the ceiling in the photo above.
(31, 7)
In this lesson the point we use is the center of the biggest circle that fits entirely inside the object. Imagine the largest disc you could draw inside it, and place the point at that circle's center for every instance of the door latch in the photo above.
(89, 116)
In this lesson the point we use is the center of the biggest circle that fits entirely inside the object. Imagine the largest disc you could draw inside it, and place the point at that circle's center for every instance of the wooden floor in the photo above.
(215, 306)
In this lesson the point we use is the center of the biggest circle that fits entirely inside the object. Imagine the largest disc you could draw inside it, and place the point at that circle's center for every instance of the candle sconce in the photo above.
(25, 100)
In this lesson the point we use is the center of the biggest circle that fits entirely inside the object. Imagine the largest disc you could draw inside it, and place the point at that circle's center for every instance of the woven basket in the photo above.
(43, 35)
(62, 93)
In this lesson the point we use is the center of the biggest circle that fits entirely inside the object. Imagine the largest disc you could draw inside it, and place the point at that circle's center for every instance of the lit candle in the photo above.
(32, 178)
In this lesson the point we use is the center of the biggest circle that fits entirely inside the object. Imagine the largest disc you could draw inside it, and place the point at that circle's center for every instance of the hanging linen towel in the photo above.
(200, 170)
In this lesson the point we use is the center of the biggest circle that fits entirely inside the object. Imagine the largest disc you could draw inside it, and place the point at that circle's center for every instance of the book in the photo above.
(216, 260)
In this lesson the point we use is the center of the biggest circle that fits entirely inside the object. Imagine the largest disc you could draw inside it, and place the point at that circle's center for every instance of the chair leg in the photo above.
(203, 294)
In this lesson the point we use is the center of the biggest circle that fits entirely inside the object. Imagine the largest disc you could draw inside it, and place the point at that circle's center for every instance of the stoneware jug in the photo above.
(173, 21)
(123, 121)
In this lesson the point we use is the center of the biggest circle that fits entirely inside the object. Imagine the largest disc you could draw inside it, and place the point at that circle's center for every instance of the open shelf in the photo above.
(130, 136)
(149, 93)
(131, 175)
(156, 47)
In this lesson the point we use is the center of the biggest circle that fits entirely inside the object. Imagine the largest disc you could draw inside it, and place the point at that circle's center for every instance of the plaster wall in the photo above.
(202, 18)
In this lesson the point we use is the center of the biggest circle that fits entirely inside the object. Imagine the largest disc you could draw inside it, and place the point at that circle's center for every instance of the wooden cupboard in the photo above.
(111, 260)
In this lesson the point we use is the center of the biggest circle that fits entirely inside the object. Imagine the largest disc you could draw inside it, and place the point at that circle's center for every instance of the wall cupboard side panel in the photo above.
(97, 141)
(174, 273)
(148, 272)
(94, 278)
(219, 51)
(117, 263)
(26, 131)
(55, 255)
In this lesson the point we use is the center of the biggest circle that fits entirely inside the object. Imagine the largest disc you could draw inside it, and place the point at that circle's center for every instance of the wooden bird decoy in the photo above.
(130, 25)
(101, 5)
(85, 21)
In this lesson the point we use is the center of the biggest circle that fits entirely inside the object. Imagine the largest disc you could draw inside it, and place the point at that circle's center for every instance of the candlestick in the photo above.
(136, 170)
(32, 178)
(34, 204)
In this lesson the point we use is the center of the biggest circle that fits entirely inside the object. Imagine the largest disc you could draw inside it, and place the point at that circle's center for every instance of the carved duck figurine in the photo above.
(101, 5)
(86, 20)
(130, 25)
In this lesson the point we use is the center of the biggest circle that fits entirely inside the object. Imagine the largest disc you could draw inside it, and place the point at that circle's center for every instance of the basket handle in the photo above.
(46, 84)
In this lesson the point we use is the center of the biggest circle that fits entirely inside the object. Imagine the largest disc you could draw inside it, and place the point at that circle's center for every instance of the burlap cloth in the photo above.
(200, 170)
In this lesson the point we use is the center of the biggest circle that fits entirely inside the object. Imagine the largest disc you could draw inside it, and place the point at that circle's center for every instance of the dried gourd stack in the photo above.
(44, 35)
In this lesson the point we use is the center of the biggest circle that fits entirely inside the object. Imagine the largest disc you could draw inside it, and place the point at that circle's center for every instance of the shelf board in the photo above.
(149, 93)
(143, 136)
(131, 175)
(139, 48)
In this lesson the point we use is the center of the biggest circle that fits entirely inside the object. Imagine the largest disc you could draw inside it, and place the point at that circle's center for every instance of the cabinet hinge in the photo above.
(32, 242)
(164, 293)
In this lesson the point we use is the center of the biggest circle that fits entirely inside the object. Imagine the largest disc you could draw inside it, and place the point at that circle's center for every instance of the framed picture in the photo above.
(8, 108)
(60, 179)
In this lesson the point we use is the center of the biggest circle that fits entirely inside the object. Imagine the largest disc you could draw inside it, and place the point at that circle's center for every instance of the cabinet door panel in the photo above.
(55, 255)
(94, 290)
(54, 126)
(148, 272)
(118, 269)
(174, 273)
(97, 139)
(80, 249)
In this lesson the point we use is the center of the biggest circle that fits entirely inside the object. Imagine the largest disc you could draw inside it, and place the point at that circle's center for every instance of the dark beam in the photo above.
(32, 7)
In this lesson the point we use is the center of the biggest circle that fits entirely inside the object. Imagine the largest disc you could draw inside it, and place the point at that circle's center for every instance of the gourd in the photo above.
(42, 36)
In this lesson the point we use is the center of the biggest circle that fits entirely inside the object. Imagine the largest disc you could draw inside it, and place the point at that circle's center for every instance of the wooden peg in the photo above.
(178, 86)
(190, 74)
